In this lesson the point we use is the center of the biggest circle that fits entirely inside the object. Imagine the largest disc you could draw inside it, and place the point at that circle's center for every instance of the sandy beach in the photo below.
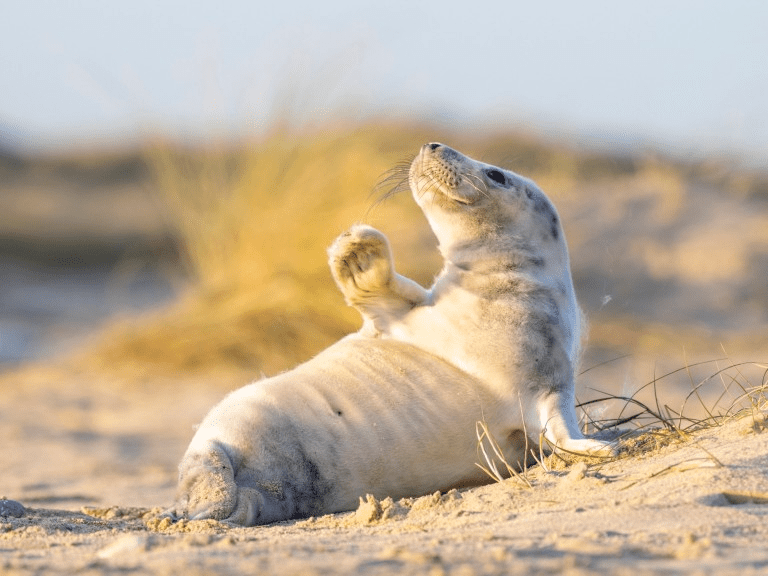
(93, 469)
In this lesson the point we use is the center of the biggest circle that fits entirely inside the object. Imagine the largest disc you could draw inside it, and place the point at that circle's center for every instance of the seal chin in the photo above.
(454, 194)
(429, 188)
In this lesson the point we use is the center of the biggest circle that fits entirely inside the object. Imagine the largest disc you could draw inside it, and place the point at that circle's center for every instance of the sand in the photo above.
(93, 461)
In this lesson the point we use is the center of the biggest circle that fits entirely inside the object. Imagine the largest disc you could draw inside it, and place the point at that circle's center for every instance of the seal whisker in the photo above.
(470, 177)
(395, 179)
(424, 184)
(391, 183)
(431, 185)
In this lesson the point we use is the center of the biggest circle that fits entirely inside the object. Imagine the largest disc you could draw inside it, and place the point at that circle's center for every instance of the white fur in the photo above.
(499, 249)
(373, 416)
(391, 410)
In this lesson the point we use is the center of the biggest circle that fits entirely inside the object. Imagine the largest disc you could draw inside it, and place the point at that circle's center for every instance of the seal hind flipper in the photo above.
(207, 487)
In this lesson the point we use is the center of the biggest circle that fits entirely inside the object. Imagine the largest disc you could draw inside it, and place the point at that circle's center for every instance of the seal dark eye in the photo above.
(496, 176)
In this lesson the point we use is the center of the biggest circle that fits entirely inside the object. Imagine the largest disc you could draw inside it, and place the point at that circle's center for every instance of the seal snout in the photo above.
(442, 172)
(436, 149)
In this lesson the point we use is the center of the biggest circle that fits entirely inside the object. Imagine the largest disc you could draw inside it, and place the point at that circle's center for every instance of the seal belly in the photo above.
(364, 416)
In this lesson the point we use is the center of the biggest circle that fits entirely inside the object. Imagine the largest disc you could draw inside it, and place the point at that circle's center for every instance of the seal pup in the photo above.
(391, 410)
(503, 308)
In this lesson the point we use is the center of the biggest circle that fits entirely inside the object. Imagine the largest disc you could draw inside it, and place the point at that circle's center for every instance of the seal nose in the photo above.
(434, 145)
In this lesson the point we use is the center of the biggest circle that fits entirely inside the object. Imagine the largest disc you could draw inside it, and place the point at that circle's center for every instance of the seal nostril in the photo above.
(434, 146)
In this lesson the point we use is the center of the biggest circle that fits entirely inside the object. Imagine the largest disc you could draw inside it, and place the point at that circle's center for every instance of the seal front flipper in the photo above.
(556, 421)
(362, 266)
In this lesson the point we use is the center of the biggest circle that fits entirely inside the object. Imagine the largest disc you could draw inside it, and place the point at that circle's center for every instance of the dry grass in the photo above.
(254, 222)
(736, 397)
(268, 210)
(640, 428)
(494, 458)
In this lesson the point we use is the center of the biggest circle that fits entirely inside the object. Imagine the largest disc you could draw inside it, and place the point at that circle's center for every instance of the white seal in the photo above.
(392, 409)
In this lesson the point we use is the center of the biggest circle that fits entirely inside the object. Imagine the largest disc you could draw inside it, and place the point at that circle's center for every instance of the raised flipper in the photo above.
(362, 266)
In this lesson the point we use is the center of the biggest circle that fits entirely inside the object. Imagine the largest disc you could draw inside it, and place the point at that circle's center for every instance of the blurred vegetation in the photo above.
(252, 220)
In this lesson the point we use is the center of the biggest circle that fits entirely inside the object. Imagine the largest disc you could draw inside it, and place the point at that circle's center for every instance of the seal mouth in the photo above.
(437, 182)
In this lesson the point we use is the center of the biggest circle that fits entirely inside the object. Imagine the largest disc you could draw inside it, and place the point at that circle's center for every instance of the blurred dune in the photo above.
(669, 258)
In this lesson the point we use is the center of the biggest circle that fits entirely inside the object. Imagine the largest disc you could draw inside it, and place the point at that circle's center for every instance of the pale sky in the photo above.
(689, 76)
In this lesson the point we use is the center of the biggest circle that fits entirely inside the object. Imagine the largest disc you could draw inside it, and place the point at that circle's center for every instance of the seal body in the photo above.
(392, 410)
(365, 416)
